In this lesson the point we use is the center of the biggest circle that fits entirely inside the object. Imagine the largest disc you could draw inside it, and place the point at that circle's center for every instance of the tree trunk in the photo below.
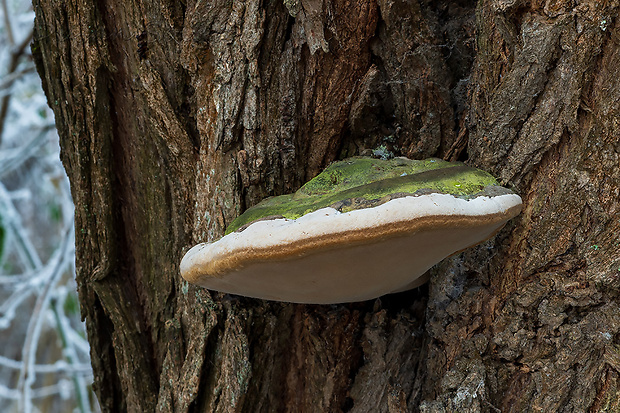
(174, 117)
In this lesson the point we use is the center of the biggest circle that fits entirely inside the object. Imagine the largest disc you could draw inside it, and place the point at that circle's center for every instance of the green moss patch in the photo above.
(362, 182)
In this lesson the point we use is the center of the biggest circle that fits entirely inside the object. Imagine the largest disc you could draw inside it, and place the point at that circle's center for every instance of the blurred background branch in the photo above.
(44, 357)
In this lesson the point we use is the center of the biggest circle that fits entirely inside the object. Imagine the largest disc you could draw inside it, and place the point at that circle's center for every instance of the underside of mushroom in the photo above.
(361, 229)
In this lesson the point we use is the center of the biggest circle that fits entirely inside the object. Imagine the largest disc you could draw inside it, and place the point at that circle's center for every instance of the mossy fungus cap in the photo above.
(362, 228)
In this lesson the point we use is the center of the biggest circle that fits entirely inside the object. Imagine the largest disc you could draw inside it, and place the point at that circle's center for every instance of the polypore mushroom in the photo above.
(361, 229)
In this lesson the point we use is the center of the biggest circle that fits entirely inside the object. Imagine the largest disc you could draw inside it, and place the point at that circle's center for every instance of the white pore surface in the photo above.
(350, 273)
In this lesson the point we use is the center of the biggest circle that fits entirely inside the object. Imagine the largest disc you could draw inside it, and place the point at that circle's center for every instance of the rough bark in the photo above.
(176, 116)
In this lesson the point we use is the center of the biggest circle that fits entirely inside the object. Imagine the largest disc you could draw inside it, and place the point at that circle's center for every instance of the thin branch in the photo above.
(28, 286)
(27, 374)
(8, 80)
(8, 307)
(16, 54)
(81, 391)
(7, 24)
(60, 366)
(25, 152)
(12, 220)
(38, 393)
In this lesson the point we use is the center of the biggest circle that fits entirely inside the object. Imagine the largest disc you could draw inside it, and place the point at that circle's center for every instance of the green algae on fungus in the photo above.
(362, 182)
(361, 229)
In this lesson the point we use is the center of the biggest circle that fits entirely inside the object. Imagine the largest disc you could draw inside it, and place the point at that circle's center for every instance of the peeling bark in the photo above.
(174, 117)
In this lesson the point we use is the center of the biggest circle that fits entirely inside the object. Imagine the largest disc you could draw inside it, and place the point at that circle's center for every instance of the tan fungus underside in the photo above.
(350, 266)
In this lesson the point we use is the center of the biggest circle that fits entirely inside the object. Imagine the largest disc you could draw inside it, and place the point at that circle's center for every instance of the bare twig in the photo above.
(61, 366)
(16, 54)
(27, 374)
(24, 153)
(24, 247)
(79, 385)
(8, 80)
(7, 24)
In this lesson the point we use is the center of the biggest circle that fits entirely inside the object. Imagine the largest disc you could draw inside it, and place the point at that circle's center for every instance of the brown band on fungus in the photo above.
(241, 258)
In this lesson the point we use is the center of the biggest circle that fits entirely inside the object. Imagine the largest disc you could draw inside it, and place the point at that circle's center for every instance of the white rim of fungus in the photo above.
(326, 222)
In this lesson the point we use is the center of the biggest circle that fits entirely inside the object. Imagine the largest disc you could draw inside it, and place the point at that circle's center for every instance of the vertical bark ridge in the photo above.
(550, 312)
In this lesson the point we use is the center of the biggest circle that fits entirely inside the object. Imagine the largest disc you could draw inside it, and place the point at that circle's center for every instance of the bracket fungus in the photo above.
(362, 228)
